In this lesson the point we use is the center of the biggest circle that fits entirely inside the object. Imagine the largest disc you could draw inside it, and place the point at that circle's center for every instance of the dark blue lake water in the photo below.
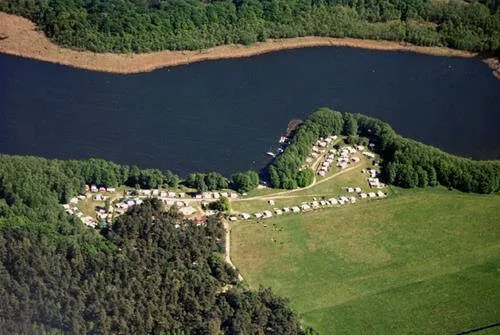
(224, 115)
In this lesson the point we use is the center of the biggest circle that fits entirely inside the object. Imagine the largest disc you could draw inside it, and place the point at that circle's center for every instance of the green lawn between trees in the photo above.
(323, 189)
(421, 262)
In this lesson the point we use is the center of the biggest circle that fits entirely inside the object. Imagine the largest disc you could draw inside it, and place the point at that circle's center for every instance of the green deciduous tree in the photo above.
(245, 181)
(350, 125)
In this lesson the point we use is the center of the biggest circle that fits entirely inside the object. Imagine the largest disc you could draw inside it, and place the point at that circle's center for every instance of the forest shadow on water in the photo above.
(225, 115)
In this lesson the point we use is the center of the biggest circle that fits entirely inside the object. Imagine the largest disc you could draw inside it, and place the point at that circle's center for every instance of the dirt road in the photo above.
(227, 228)
(286, 194)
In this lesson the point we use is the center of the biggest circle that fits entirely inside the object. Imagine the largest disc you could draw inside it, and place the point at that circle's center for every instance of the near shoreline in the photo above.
(19, 37)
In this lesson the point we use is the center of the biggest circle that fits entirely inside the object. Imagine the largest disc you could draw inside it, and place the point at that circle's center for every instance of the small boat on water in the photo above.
(270, 153)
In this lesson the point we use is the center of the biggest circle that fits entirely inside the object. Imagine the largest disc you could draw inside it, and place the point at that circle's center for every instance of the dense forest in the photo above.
(149, 25)
(151, 271)
(109, 174)
(406, 163)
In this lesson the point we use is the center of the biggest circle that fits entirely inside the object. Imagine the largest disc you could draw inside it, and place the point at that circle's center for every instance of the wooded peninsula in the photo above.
(406, 163)
(201, 30)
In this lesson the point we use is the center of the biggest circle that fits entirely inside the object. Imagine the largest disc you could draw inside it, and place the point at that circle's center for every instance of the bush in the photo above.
(221, 205)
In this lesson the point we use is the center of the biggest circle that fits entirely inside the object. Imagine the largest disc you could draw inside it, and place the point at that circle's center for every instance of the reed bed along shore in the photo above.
(19, 37)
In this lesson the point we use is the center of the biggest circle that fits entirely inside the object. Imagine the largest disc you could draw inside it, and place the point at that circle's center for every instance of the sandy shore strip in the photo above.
(19, 37)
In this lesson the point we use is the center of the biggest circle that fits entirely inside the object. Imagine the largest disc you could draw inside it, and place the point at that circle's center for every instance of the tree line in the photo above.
(66, 178)
(150, 271)
(152, 25)
(211, 181)
(207, 181)
(408, 163)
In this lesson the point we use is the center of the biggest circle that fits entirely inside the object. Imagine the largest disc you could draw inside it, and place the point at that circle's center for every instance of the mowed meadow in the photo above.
(419, 262)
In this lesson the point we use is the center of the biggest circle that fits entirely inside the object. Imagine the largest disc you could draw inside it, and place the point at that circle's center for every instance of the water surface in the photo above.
(224, 115)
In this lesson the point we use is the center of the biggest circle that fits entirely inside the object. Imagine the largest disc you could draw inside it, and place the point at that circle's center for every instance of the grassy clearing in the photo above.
(337, 185)
(258, 192)
(329, 188)
(421, 261)
(88, 206)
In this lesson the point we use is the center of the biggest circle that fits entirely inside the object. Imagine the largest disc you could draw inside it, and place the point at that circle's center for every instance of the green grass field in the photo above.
(419, 262)
(330, 188)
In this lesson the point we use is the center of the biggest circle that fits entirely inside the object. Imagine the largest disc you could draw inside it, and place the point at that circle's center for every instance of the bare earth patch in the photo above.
(19, 37)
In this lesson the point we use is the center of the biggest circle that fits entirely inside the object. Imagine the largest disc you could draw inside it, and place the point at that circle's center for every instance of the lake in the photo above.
(224, 115)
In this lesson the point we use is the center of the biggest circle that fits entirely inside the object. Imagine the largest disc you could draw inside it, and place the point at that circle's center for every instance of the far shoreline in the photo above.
(20, 38)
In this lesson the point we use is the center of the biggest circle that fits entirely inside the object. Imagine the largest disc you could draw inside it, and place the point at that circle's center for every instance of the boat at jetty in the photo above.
(285, 138)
